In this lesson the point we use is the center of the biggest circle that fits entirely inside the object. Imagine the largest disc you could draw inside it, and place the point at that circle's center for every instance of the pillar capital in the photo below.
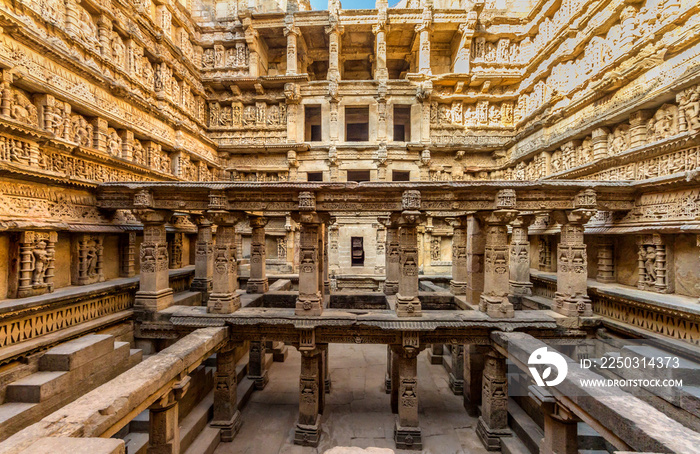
(224, 218)
(151, 216)
(257, 221)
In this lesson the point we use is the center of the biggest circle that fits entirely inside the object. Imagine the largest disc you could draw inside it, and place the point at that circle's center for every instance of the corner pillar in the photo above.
(606, 259)
(257, 365)
(456, 377)
(310, 299)
(393, 270)
(473, 376)
(494, 299)
(308, 426)
(203, 258)
(476, 246)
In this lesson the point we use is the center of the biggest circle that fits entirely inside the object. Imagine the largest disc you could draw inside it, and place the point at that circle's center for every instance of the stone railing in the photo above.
(25, 324)
(666, 318)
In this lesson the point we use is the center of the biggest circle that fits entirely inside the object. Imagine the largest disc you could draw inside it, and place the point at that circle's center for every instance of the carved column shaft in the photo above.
(203, 259)
(424, 50)
(257, 283)
(310, 300)
(638, 128)
(308, 425)
(291, 33)
(494, 299)
(519, 283)
(127, 247)
(407, 433)
(460, 273)
(393, 269)
(572, 272)
(226, 415)
(154, 286)
(473, 376)
(457, 372)
(224, 299)
(407, 302)
(381, 72)
(493, 422)
(606, 259)
(334, 52)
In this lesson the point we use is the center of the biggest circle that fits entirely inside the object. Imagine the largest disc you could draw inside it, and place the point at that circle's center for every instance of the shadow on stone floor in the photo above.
(357, 410)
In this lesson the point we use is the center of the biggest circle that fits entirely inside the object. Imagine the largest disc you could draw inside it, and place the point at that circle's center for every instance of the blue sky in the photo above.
(349, 4)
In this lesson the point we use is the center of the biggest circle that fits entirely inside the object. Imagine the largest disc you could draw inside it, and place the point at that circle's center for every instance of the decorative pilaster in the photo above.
(154, 292)
(127, 253)
(407, 302)
(292, 33)
(423, 31)
(493, 422)
(226, 417)
(606, 259)
(203, 258)
(572, 264)
(334, 31)
(458, 284)
(494, 299)
(407, 433)
(379, 30)
(257, 283)
(519, 283)
(387, 376)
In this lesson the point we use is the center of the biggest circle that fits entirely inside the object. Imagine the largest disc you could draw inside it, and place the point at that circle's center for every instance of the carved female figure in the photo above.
(41, 260)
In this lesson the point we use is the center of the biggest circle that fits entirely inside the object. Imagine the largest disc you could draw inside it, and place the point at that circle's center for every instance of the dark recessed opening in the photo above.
(358, 175)
(402, 123)
(358, 251)
(312, 123)
(400, 175)
(314, 176)
(357, 124)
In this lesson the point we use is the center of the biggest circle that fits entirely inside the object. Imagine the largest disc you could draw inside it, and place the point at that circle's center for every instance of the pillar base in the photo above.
(458, 288)
(306, 435)
(260, 380)
(229, 429)
(407, 307)
(204, 286)
(257, 286)
(308, 306)
(391, 288)
(223, 303)
(456, 385)
(153, 301)
(387, 383)
(496, 306)
(573, 306)
(407, 437)
(490, 438)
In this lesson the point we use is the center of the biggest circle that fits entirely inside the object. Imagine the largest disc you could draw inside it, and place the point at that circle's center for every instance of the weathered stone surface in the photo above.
(346, 450)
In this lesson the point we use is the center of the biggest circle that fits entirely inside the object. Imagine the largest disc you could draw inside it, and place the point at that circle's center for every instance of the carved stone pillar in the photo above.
(203, 258)
(224, 299)
(379, 30)
(407, 302)
(308, 426)
(226, 415)
(572, 264)
(291, 32)
(519, 284)
(37, 255)
(175, 250)
(87, 259)
(163, 427)
(494, 299)
(476, 246)
(393, 270)
(407, 433)
(387, 376)
(457, 373)
(458, 284)
(606, 259)
(473, 375)
(638, 127)
(257, 366)
(127, 253)
(493, 422)
(154, 292)
(334, 31)
(463, 53)
(310, 300)
(599, 143)
(99, 133)
(560, 425)
(423, 31)
(257, 283)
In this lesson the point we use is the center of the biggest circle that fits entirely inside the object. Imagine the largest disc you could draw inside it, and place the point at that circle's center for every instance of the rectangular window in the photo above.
(402, 123)
(400, 175)
(312, 123)
(358, 175)
(357, 124)
(358, 251)
(314, 176)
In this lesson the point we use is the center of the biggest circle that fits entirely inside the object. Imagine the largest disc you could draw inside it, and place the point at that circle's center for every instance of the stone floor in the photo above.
(357, 410)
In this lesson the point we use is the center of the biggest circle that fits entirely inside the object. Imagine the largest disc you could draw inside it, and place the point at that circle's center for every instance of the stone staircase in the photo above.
(64, 373)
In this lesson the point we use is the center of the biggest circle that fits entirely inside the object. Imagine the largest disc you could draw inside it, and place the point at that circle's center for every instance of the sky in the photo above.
(349, 4)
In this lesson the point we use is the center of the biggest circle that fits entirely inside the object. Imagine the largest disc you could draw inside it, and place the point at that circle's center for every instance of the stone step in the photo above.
(246, 387)
(187, 298)
(205, 443)
(195, 421)
(524, 427)
(536, 302)
(136, 442)
(12, 413)
(135, 356)
(36, 387)
(75, 353)
(509, 445)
